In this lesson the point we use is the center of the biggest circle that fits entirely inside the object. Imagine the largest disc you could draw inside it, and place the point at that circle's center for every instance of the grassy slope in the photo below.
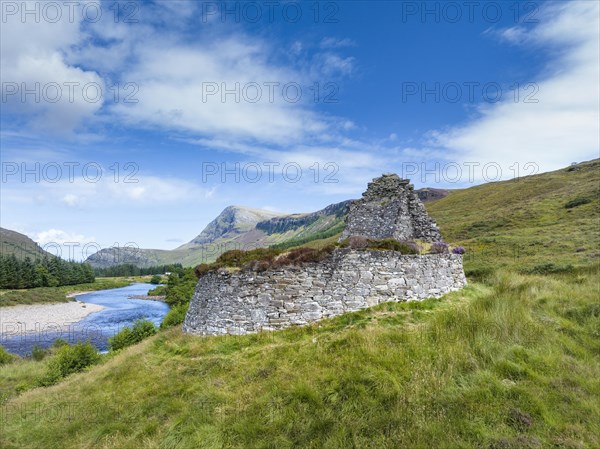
(524, 222)
(12, 242)
(511, 362)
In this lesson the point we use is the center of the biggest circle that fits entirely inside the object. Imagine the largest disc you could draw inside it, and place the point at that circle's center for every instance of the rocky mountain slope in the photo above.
(233, 220)
(235, 228)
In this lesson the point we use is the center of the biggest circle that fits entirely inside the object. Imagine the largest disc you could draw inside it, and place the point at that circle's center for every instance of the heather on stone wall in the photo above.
(262, 259)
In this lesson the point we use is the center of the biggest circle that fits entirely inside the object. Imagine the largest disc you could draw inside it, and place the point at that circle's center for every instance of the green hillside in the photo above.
(511, 361)
(525, 223)
(12, 242)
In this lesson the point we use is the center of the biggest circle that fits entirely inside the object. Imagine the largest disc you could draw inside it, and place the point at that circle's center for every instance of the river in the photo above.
(119, 311)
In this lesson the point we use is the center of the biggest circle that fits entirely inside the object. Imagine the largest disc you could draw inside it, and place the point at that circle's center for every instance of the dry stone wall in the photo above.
(349, 280)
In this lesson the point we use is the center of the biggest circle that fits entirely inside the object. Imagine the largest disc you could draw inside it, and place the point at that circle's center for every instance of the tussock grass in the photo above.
(523, 223)
(510, 363)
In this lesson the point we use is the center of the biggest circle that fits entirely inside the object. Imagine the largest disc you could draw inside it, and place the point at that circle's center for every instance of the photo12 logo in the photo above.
(116, 253)
(70, 91)
(467, 91)
(69, 11)
(269, 91)
(270, 11)
(466, 171)
(62, 412)
(271, 172)
(469, 11)
(53, 172)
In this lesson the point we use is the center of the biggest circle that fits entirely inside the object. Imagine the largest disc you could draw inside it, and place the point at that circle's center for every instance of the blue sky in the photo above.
(115, 128)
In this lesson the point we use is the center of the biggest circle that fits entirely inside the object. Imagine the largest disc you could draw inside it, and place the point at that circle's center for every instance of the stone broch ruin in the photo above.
(390, 208)
(348, 280)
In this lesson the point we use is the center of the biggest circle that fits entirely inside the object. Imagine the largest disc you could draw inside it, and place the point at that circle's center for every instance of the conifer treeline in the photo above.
(44, 272)
(128, 269)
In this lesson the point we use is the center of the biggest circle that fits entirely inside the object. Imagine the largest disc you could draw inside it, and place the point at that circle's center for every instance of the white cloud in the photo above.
(33, 60)
(564, 124)
(173, 75)
(87, 193)
(70, 200)
(68, 245)
(61, 237)
(297, 47)
(333, 42)
(334, 65)
(336, 169)
(155, 190)
(184, 87)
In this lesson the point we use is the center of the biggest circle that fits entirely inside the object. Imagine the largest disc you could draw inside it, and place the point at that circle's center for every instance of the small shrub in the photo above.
(161, 290)
(130, 336)
(155, 280)
(411, 248)
(439, 248)
(458, 250)
(577, 202)
(357, 242)
(237, 258)
(69, 360)
(175, 316)
(5, 356)
(304, 255)
(548, 268)
(480, 273)
(38, 353)
(395, 245)
(23, 386)
(202, 269)
(59, 343)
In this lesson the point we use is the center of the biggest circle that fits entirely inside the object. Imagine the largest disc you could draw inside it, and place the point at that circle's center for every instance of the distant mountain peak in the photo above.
(233, 219)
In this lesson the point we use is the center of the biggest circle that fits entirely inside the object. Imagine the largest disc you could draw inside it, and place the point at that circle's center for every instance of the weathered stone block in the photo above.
(312, 316)
(310, 306)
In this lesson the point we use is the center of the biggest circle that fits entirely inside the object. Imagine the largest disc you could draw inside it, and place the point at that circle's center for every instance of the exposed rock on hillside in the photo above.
(233, 219)
(428, 194)
(110, 257)
(280, 225)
